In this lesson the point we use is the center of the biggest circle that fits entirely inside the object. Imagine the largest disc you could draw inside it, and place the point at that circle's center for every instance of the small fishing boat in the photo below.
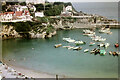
(79, 42)
(110, 53)
(88, 32)
(101, 45)
(66, 46)
(105, 30)
(114, 53)
(95, 51)
(109, 32)
(107, 45)
(118, 52)
(77, 48)
(69, 40)
(57, 45)
(102, 52)
(91, 44)
(116, 45)
(102, 39)
(99, 39)
(65, 39)
(70, 47)
(104, 45)
(86, 50)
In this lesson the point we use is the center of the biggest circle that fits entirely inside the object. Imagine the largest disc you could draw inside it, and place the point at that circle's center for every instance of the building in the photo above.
(35, 1)
(67, 11)
(39, 14)
(7, 16)
(68, 8)
(66, 14)
(15, 16)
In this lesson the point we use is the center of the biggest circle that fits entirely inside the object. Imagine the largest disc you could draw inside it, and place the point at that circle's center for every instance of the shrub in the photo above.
(22, 27)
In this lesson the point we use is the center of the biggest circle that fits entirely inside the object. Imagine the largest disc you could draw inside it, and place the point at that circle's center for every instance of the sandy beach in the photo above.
(31, 73)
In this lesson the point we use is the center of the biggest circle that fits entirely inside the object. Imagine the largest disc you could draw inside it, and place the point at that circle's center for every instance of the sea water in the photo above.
(40, 55)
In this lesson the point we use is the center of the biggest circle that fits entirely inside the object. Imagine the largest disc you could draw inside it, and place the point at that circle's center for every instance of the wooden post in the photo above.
(56, 77)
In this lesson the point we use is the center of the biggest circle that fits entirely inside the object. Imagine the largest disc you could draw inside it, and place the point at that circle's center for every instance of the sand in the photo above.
(31, 73)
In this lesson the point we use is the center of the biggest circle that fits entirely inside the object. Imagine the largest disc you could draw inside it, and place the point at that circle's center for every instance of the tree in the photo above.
(11, 3)
(23, 3)
(56, 10)
(58, 3)
(4, 7)
(22, 27)
(39, 7)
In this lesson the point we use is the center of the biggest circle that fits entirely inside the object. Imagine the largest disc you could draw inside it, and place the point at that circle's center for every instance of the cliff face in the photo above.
(9, 32)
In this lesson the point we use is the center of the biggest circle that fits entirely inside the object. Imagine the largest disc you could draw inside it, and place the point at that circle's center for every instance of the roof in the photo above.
(27, 12)
(23, 6)
(6, 13)
(18, 13)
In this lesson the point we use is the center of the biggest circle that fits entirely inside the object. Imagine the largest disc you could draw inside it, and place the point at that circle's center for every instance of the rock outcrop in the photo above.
(41, 35)
(9, 32)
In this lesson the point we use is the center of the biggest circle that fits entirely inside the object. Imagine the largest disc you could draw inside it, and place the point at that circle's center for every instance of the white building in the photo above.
(67, 11)
(15, 16)
(35, 1)
(7, 16)
(39, 14)
(68, 8)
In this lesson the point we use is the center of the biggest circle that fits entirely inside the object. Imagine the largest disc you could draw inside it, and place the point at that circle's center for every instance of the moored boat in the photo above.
(57, 45)
(77, 48)
(116, 45)
(91, 44)
(102, 52)
(114, 53)
(69, 40)
(79, 42)
(89, 31)
(86, 50)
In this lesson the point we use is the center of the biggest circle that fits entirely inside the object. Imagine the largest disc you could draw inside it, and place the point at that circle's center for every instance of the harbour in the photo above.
(61, 61)
(64, 40)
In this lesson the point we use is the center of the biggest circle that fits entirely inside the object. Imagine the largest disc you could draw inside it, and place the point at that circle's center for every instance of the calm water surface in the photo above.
(45, 58)
(107, 9)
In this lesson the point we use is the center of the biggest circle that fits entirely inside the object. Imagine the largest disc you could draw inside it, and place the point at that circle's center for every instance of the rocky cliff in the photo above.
(9, 31)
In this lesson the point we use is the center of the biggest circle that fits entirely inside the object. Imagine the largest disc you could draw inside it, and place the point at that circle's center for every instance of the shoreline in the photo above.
(58, 30)
(31, 73)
